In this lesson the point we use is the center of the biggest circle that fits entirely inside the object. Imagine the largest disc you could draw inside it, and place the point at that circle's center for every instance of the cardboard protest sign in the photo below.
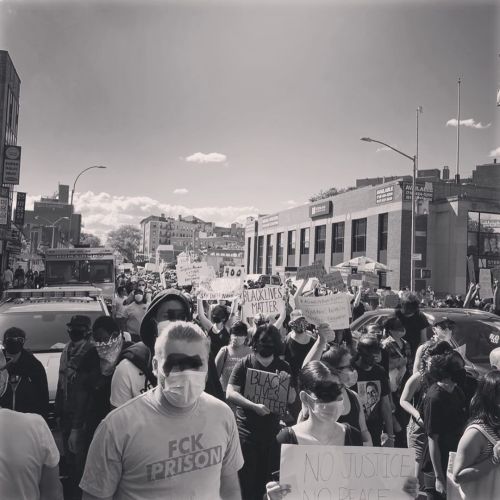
(267, 300)
(192, 273)
(234, 272)
(334, 280)
(390, 300)
(332, 309)
(345, 472)
(485, 291)
(358, 283)
(269, 389)
(315, 270)
(220, 288)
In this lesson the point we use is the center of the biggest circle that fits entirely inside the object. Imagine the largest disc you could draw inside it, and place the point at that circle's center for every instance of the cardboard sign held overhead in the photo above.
(485, 291)
(345, 472)
(192, 273)
(267, 300)
(334, 280)
(315, 270)
(269, 389)
(220, 288)
(330, 309)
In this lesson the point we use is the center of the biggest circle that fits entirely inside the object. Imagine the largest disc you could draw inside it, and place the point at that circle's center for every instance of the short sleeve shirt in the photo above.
(413, 326)
(128, 382)
(145, 450)
(26, 446)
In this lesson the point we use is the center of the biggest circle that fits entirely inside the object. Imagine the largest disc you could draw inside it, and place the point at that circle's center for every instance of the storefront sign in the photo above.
(384, 195)
(20, 209)
(322, 209)
(11, 164)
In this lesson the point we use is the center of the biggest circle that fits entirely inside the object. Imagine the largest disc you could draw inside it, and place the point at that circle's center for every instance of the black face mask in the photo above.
(264, 350)
(76, 335)
(459, 376)
(218, 319)
(13, 346)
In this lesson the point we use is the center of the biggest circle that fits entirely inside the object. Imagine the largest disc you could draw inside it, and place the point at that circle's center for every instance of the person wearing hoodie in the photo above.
(134, 375)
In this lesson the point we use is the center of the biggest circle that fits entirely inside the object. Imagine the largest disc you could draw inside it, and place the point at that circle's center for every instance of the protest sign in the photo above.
(390, 300)
(267, 300)
(234, 272)
(192, 273)
(334, 280)
(485, 291)
(358, 283)
(269, 389)
(220, 288)
(332, 309)
(315, 270)
(316, 472)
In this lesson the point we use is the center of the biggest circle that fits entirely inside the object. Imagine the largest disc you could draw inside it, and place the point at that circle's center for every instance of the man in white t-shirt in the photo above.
(29, 459)
(174, 441)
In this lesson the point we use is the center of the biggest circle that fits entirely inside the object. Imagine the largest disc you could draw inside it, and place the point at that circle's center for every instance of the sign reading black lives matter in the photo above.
(11, 164)
(267, 300)
(269, 389)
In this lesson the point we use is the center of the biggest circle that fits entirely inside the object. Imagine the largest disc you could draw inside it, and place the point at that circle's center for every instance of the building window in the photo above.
(359, 236)
(260, 253)
(249, 251)
(383, 226)
(304, 240)
(338, 237)
(269, 254)
(320, 240)
(279, 249)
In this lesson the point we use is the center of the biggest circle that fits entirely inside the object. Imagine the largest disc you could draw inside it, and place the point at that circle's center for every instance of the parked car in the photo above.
(261, 280)
(476, 332)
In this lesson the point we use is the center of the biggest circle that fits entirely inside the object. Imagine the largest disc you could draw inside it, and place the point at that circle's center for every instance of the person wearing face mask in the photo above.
(414, 321)
(93, 382)
(321, 396)
(29, 458)
(257, 426)
(229, 355)
(139, 286)
(133, 314)
(27, 391)
(134, 375)
(216, 329)
(71, 358)
(174, 441)
(374, 390)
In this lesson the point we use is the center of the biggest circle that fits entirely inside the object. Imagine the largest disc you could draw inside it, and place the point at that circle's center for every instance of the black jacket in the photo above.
(31, 395)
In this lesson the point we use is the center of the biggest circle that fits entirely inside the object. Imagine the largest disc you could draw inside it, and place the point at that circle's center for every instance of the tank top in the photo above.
(352, 418)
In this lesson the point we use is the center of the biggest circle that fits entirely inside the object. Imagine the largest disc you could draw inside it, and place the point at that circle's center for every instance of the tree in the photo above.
(126, 240)
(329, 192)
(90, 239)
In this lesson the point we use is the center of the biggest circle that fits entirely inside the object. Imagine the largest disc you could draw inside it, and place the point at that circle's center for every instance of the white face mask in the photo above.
(349, 378)
(328, 411)
(182, 389)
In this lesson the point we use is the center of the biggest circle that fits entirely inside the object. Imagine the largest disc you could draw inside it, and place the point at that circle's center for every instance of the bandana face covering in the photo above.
(108, 353)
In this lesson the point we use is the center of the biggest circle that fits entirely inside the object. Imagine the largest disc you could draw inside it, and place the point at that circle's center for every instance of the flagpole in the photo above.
(457, 176)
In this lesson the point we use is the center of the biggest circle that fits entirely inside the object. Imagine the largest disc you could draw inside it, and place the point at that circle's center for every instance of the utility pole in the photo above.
(457, 175)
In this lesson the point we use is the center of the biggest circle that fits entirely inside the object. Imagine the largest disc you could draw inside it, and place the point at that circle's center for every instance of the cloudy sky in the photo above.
(228, 108)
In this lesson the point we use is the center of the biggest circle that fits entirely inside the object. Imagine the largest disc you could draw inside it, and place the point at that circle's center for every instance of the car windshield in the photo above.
(45, 331)
(480, 337)
(79, 271)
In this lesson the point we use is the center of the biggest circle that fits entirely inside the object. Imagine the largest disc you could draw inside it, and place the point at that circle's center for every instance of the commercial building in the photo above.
(10, 155)
(52, 223)
(375, 221)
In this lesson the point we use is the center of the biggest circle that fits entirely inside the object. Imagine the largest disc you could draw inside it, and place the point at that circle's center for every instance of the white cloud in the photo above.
(181, 191)
(495, 152)
(203, 158)
(383, 148)
(291, 203)
(470, 122)
(102, 212)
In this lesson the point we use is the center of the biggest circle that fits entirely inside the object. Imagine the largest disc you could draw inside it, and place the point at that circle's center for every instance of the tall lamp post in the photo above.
(52, 225)
(413, 159)
(73, 191)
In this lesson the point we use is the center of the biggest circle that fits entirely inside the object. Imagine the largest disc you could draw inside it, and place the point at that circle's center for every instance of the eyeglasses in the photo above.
(15, 339)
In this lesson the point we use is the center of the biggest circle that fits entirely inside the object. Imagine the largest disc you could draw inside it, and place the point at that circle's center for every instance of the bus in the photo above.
(82, 266)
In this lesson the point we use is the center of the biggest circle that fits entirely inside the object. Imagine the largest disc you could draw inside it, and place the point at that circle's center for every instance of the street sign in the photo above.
(417, 256)
(11, 165)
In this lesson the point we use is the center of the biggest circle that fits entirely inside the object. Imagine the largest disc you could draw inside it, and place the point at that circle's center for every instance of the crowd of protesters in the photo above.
(151, 400)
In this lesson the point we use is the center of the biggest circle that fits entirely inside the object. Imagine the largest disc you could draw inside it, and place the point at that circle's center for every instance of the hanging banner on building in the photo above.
(269, 389)
(11, 164)
(315, 270)
(422, 191)
(331, 309)
(345, 472)
(268, 300)
(220, 289)
(4, 206)
(485, 290)
(20, 209)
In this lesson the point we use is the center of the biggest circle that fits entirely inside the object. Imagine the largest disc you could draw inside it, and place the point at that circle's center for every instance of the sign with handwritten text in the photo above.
(332, 309)
(269, 389)
(486, 291)
(220, 288)
(267, 300)
(334, 280)
(345, 472)
(315, 270)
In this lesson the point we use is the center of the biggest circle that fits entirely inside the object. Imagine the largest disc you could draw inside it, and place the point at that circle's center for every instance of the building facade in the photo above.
(375, 221)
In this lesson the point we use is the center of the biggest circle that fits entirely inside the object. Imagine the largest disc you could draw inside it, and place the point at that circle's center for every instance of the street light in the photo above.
(413, 159)
(52, 225)
(73, 190)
